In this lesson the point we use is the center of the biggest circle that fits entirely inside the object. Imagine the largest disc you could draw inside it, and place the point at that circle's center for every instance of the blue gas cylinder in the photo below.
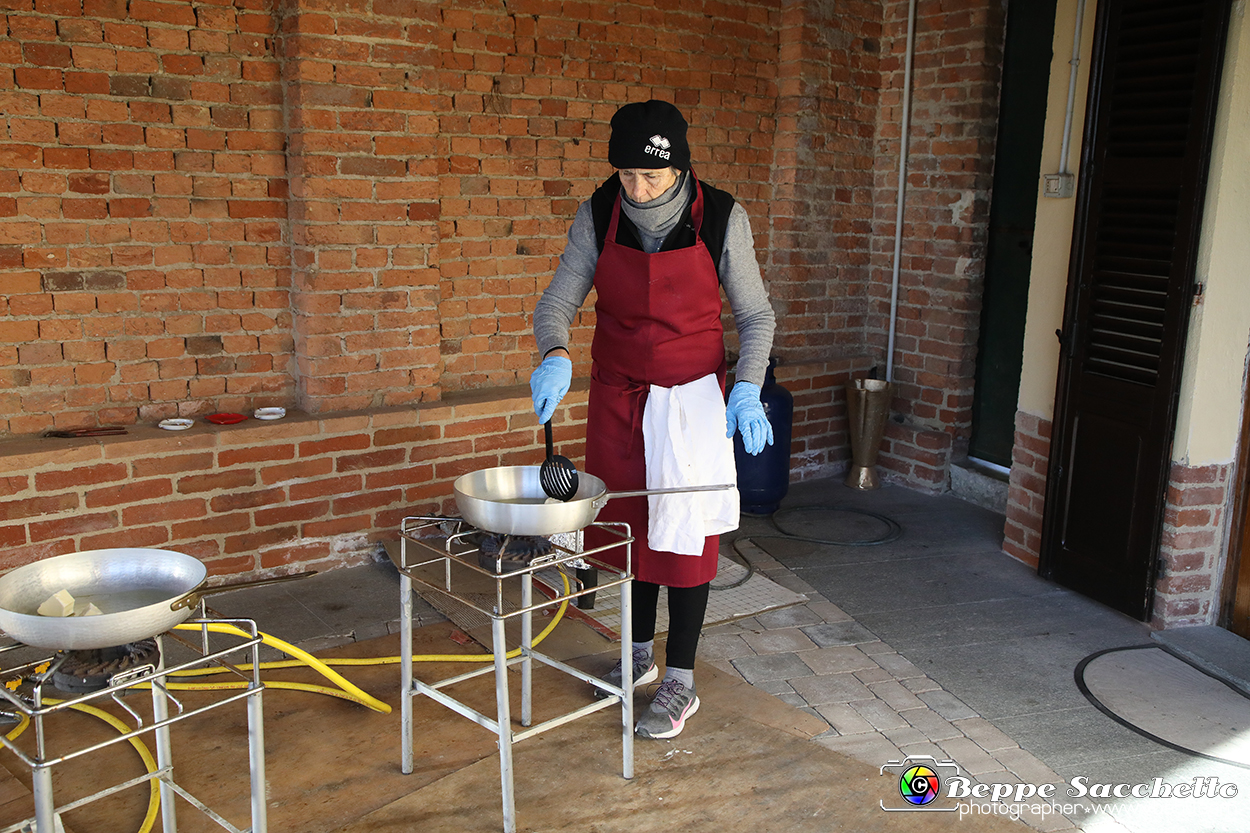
(764, 479)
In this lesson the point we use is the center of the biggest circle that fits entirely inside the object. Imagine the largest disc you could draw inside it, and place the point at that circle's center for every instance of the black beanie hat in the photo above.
(650, 134)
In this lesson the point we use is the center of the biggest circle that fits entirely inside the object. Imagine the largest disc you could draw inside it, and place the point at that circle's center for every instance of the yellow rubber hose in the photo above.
(347, 690)
(360, 661)
(154, 792)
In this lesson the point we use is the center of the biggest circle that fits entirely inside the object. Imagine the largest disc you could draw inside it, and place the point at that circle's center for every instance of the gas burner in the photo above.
(82, 672)
(508, 553)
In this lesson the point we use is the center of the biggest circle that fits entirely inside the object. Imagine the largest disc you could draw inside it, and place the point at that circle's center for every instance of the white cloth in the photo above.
(683, 431)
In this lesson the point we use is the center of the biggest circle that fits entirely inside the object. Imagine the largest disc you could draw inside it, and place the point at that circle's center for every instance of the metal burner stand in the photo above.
(38, 711)
(424, 564)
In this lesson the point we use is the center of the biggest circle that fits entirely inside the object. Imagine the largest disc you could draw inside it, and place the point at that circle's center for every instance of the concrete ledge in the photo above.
(1220, 653)
(983, 487)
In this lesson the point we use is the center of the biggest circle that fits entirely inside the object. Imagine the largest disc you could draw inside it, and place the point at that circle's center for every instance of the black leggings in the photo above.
(686, 606)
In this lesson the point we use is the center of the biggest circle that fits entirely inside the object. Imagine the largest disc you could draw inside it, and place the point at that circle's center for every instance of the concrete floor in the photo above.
(932, 644)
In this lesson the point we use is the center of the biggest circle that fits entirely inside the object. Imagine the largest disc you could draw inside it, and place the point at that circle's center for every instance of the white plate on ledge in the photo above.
(269, 413)
(175, 424)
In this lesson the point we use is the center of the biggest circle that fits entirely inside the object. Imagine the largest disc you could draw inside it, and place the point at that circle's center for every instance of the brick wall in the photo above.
(1026, 494)
(820, 444)
(259, 495)
(350, 206)
(332, 205)
(142, 191)
(1192, 545)
(916, 457)
(313, 491)
(821, 211)
(955, 101)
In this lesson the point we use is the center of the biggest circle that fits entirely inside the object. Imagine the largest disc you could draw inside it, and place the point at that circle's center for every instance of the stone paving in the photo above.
(879, 706)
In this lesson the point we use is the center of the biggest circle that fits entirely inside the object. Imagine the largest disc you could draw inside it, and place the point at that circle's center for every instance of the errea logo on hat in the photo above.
(658, 147)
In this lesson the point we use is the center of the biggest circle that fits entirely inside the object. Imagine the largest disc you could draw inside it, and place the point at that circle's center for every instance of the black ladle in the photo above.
(557, 475)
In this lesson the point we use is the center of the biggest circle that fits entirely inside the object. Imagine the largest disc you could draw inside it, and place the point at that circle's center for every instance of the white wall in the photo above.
(1213, 381)
(1052, 235)
(1213, 385)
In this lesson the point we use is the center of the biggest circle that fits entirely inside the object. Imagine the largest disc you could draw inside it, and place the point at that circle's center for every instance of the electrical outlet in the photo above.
(1058, 185)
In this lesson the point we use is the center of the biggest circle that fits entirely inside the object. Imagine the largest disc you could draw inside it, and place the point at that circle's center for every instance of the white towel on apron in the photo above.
(683, 430)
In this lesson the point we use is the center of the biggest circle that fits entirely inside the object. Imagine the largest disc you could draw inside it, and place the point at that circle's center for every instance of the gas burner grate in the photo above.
(508, 553)
(82, 672)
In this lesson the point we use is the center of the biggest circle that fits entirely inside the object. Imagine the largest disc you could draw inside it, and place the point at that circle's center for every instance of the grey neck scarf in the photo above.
(655, 219)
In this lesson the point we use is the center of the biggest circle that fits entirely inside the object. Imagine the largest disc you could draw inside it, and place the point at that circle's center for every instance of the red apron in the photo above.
(657, 323)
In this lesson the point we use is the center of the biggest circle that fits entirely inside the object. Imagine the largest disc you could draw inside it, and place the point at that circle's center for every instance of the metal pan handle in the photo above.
(193, 598)
(606, 496)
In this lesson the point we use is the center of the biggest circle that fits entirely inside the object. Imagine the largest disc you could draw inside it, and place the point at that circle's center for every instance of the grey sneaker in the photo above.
(645, 671)
(666, 716)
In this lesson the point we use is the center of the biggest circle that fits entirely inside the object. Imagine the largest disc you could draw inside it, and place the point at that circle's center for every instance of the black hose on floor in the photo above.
(892, 532)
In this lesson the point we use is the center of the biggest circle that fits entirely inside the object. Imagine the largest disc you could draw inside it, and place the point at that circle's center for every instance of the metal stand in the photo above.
(426, 565)
(38, 709)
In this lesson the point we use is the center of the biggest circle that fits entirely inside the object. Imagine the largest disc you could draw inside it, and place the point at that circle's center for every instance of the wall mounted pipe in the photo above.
(1073, 66)
(905, 129)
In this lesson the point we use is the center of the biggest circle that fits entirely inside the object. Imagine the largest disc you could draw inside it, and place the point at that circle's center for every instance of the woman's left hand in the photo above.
(744, 413)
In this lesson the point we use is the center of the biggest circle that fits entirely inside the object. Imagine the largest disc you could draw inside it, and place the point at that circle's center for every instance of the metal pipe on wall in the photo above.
(905, 129)
(1074, 65)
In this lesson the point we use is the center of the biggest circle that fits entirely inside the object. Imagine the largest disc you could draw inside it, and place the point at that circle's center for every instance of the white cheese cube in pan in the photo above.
(86, 609)
(60, 603)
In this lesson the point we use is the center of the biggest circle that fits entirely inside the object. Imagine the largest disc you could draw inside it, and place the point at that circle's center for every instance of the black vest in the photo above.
(716, 207)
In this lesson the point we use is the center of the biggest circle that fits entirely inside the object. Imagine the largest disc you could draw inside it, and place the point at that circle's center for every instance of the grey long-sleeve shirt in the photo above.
(739, 273)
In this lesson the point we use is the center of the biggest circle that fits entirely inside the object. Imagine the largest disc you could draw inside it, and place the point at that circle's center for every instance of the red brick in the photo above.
(149, 536)
(279, 556)
(82, 476)
(216, 481)
(247, 500)
(77, 524)
(131, 492)
(172, 464)
(324, 488)
(47, 54)
(331, 445)
(78, 158)
(260, 539)
(256, 454)
(32, 78)
(33, 507)
(337, 526)
(385, 458)
(173, 12)
(212, 527)
(231, 566)
(370, 499)
(290, 513)
(164, 512)
(297, 471)
(12, 536)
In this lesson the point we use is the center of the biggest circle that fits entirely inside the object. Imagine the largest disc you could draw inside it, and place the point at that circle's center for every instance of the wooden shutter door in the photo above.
(1143, 176)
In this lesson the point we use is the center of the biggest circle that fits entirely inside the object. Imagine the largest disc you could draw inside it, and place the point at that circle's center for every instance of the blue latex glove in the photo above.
(548, 384)
(745, 414)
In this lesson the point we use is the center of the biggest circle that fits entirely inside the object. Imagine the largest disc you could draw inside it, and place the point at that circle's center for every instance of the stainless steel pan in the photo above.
(141, 593)
(510, 500)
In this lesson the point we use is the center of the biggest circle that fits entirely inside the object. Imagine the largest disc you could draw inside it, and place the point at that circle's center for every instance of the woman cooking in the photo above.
(658, 246)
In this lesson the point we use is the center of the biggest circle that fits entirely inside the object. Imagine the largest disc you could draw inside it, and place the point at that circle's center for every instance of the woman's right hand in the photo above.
(549, 383)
